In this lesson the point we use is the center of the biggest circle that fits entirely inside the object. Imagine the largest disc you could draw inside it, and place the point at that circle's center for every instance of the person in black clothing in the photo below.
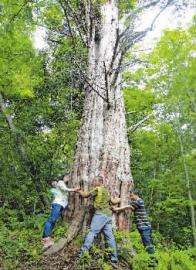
(136, 204)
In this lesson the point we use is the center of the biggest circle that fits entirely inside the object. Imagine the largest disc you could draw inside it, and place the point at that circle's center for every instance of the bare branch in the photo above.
(161, 11)
(140, 123)
(19, 11)
(116, 73)
(92, 85)
(129, 64)
(134, 14)
(67, 18)
(71, 14)
(115, 51)
(128, 37)
(106, 82)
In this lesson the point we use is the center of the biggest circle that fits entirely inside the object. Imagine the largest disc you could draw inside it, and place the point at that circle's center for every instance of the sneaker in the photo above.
(114, 263)
(47, 242)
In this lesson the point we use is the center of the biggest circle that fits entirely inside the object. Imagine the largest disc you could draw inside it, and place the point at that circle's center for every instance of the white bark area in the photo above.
(102, 142)
(188, 185)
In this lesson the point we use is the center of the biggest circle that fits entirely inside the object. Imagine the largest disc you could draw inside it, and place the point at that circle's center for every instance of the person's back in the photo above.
(102, 218)
(142, 221)
(141, 216)
(136, 204)
(101, 200)
(60, 193)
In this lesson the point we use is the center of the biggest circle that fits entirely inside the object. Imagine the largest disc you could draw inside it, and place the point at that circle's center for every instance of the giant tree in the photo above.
(107, 31)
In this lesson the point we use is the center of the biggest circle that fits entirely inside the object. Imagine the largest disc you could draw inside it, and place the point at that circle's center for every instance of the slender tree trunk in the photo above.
(192, 210)
(27, 164)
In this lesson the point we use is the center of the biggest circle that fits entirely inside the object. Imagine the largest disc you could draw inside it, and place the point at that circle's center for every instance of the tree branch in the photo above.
(106, 82)
(76, 18)
(128, 38)
(19, 11)
(137, 125)
(91, 85)
(115, 51)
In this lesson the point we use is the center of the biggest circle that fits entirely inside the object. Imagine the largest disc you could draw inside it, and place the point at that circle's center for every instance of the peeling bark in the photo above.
(102, 146)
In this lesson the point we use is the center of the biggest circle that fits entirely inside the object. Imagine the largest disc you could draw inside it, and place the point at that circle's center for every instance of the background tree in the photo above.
(167, 131)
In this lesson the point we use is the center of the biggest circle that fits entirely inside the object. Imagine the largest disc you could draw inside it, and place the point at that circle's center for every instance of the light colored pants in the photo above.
(101, 222)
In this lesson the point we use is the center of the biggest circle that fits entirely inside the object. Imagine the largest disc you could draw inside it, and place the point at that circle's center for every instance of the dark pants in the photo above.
(56, 211)
(145, 234)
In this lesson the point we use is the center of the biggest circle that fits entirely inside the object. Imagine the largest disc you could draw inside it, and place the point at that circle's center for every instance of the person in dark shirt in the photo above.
(136, 204)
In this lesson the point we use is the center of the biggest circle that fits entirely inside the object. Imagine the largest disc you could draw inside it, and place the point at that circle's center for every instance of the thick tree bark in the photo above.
(102, 146)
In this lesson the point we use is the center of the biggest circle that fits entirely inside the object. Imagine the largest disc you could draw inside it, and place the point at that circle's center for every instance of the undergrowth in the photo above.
(20, 243)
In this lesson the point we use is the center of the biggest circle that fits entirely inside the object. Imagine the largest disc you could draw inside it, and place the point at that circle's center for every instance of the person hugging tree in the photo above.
(136, 204)
(60, 193)
(102, 218)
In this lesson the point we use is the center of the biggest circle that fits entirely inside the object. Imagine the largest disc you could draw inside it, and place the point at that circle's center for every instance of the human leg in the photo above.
(147, 240)
(109, 236)
(56, 210)
(97, 224)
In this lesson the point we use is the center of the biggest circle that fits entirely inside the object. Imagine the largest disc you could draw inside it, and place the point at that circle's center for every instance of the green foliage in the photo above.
(132, 252)
(126, 6)
(165, 88)
(20, 241)
(20, 67)
(170, 260)
(53, 15)
(43, 95)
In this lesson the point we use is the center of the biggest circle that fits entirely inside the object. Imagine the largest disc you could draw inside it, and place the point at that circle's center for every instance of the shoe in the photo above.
(47, 242)
(114, 263)
(150, 249)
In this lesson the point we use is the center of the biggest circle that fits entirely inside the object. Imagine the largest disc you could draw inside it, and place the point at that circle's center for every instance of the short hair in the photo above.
(58, 178)
(135, 191)
(99, 179)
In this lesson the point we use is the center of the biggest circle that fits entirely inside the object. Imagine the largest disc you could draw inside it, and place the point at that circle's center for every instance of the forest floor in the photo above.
(67, 260)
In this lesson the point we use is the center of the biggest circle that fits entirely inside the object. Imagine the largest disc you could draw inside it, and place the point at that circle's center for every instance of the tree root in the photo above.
(75, 227)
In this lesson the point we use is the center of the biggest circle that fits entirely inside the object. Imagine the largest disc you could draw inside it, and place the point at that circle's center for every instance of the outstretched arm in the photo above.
(63, 187)
(84, 194)
(115, 200)
(123, 208)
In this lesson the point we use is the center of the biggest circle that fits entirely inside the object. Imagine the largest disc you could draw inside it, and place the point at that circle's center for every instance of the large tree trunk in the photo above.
(102, 146)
